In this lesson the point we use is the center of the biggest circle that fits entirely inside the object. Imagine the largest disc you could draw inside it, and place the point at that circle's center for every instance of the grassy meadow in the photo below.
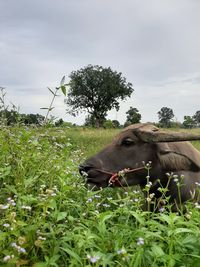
(49, 218)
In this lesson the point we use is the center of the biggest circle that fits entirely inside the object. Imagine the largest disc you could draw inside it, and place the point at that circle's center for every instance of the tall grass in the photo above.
(48, 218)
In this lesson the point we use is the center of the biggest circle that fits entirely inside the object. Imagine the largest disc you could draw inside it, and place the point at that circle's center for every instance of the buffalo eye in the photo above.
(127, 142)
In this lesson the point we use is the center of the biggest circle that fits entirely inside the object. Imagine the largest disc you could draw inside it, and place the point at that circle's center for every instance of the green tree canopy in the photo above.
(165, 116)
(133, 116)
(188, 122)
(196, 118)
(96, 90)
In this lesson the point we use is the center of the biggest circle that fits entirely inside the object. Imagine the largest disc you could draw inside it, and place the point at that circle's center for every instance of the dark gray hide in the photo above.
(168, 151)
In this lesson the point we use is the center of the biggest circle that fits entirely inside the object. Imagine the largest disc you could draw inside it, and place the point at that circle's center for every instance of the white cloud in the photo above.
(155, 44)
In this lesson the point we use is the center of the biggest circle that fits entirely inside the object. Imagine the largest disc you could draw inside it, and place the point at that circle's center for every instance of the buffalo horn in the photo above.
(160, 136)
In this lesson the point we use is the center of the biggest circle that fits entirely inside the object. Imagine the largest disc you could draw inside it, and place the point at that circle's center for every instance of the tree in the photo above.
(59, 122)
(96, 90)
(165, 116)
(133, 116)
(116, 124)
(188, 122)
(108, 124)
(29, 119)
(196, 118)
(9, 117)
(90, 121)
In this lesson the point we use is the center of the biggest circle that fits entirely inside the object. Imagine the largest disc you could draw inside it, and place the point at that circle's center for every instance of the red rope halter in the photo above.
(114, 177)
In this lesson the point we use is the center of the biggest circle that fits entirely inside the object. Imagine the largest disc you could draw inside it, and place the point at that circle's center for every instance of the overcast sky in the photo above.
(154, 43)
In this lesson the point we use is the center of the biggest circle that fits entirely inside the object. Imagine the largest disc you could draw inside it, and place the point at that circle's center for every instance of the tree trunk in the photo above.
(97, 123)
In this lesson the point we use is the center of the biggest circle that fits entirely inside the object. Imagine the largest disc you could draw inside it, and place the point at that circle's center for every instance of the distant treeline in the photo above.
(13, 117)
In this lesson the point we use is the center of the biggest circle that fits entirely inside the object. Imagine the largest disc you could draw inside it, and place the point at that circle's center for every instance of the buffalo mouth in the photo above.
(94, 179)
(97, 182)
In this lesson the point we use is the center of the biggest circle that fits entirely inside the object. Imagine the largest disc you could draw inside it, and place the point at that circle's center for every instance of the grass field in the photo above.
(48, 218)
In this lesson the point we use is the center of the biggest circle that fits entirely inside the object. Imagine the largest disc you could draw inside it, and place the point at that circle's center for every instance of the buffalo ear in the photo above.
(178, 156)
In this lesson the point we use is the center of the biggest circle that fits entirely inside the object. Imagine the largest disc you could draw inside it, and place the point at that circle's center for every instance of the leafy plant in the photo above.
(62, 88)
(49, 218)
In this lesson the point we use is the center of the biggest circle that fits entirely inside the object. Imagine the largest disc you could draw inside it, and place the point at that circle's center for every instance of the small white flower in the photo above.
(198, 184)
(4, 207)
(149, 184)
(152, 195)
(7, 225)
(93, 259)
(8, 257)
(197, 205)
(89, 200)
(41, 238)
(140, 241)
(170, 174)
(21, 250)
(121, 251)
(14, 245)
(26, 207)
(106, 205)
(161, 209)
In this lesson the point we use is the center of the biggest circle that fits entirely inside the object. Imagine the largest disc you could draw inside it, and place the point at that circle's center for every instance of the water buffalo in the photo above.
(167, 151)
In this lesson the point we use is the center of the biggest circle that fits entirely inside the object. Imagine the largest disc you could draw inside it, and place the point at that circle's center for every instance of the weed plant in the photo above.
(49, 218)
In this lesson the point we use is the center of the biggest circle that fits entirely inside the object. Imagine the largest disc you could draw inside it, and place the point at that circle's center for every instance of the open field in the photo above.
(48, 218)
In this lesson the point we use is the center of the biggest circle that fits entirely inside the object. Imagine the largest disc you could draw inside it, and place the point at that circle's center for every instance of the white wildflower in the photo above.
(4, 207)
(93, 259)
(140, 241)
(106, 205)
(89, 200)
(7, 225)
(162, 209)
(8, 257)
(121, 251)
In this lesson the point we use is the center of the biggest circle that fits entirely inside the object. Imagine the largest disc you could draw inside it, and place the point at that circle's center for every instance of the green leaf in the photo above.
(63, 88)
(105, 216)
(62, 81)
(61, 216)
(72, 254)
(180, 231)
(51, 91)
(157, 251)
(40, 264)
(138, 217)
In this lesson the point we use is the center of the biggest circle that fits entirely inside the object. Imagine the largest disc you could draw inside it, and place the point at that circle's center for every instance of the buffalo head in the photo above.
(167, 151)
